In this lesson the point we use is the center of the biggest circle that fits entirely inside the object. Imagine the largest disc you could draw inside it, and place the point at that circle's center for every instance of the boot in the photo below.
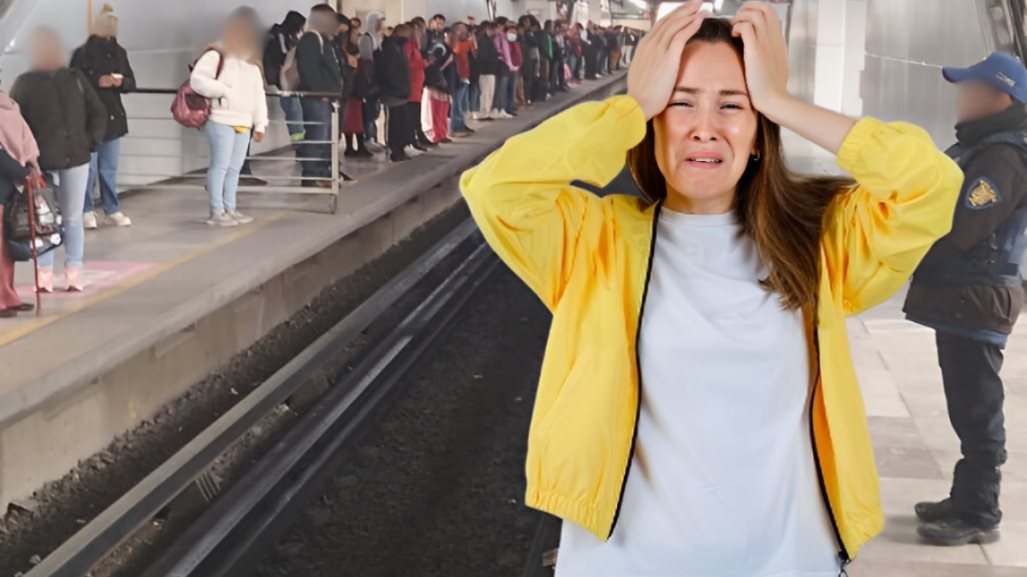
(933, 511)
(951, 532)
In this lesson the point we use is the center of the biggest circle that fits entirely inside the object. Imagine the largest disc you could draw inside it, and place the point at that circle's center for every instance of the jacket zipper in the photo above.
(843, 553)
(638, 367)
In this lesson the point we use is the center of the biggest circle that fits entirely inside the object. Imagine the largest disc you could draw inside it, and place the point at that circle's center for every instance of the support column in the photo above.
(830, 54)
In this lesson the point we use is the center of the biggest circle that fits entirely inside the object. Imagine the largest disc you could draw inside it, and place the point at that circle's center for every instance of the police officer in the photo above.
(969, 290)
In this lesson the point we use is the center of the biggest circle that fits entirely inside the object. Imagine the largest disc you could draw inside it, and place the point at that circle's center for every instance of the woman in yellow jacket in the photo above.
(698, 412)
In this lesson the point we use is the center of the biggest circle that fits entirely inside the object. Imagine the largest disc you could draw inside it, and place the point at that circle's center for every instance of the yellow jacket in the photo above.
(588, 259)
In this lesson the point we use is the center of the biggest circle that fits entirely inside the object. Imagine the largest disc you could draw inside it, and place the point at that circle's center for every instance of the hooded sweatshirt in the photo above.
(369, 39)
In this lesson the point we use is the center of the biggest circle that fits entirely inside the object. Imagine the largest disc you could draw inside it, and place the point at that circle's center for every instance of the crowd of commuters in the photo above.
(426, 80)
(427, 77)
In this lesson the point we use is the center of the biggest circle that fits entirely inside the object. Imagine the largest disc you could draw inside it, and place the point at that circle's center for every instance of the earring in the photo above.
(754, 157)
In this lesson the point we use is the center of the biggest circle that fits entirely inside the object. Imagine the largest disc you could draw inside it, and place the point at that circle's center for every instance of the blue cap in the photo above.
(999, 70)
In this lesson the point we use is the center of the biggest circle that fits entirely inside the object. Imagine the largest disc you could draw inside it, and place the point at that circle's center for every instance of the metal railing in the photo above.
(186, 170)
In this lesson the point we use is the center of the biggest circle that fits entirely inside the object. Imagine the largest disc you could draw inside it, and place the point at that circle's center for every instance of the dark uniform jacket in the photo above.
(66, 116)
(970, 282)
(100, 57)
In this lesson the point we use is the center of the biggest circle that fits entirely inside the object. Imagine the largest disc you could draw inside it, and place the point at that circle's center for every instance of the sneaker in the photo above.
(954, 532)
(240, 217)
(73, 280)
(119, 219)
(44, 279)
(931, 511)
(221, 219)
(89, 220)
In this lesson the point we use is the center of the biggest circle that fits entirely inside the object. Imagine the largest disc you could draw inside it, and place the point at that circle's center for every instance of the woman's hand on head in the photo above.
(657, 61)
(766, 55)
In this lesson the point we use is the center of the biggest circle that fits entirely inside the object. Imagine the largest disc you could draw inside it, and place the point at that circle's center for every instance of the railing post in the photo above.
(336, 173)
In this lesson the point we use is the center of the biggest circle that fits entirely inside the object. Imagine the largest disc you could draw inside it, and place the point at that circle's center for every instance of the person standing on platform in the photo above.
(506, 76)
(436, 33)
(698, 411)
(417, 63)
(319, 72)
(489, 69)
(105, 63)
(281, 40)
(969, 290)
(437, 93)
(393, 79)
(370, 44)
(19, 155)
(69, 122)
(359, 86)
(461, 45)
(238, 112)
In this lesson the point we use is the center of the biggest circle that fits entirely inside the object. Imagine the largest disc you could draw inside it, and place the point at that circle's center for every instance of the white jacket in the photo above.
(236, 96)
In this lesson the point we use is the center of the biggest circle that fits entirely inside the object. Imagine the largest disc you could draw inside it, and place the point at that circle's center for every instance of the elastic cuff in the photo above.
(857, 138)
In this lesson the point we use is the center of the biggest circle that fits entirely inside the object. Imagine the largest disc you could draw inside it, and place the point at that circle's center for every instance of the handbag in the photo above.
(47, 232)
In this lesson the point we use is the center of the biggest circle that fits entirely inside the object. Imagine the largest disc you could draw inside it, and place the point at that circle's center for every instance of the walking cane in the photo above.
(30, 191)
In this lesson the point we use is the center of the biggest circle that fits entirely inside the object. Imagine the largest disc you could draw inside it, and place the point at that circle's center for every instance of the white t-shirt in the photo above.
(723, 481)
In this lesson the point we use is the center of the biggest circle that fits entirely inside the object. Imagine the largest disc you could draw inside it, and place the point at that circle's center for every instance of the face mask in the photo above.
(511, 36)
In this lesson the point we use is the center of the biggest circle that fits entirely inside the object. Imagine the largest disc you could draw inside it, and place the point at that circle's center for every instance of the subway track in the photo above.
(451, 397)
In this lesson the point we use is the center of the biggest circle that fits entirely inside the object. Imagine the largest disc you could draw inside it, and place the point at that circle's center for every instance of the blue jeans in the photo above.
(499, 100)
(317, 157)
(510, 100)
(70, 189)
(227, 153)
(460, 106)
(104, 161)
(293, 116)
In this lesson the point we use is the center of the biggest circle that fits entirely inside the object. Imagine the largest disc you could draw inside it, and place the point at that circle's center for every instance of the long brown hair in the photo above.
(782, 212)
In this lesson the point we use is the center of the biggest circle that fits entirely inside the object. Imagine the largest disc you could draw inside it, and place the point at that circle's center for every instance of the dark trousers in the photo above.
(417, 135)
(528, 70)
(399, 129)
(372, 107)
(318, 115)
(974, 394)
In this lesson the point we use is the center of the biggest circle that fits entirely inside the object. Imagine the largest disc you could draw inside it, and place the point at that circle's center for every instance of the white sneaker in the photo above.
(119, 219)
(221, 219)
(240, 217)
(89, 220)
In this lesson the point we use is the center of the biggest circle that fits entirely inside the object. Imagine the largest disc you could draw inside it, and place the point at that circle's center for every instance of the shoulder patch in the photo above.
(983, 194)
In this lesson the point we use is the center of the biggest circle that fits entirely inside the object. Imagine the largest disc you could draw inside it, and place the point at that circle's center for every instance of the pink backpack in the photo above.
(189, 108)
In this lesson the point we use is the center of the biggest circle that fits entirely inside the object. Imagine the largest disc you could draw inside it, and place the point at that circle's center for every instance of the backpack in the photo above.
(189, 108)
(289, 77)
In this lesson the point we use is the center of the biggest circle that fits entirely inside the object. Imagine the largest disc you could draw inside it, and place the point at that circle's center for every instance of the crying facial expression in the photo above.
(706, 135)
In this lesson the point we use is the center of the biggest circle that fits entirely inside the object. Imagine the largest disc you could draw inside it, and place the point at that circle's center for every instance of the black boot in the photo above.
(953, 532)
(932, 511)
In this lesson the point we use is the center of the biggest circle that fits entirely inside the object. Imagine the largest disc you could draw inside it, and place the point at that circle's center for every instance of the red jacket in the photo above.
(516, 55)
(417, 66)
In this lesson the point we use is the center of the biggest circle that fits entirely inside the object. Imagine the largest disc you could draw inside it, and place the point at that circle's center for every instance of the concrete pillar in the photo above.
(855, 56)
(830, 54)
